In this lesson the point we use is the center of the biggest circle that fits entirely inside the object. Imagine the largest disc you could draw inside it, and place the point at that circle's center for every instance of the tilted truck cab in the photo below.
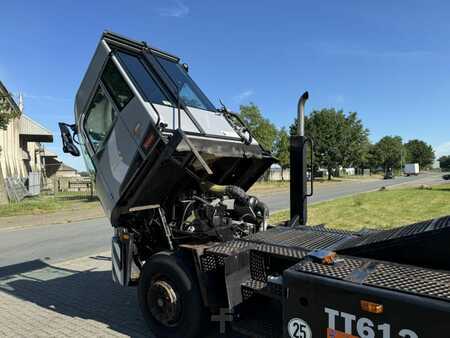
(131, 102)
(172, 174)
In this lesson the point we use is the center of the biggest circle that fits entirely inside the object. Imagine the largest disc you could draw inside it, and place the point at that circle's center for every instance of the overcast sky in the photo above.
(387, 60)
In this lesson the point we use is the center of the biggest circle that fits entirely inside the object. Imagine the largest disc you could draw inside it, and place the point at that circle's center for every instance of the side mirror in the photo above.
(67, 139)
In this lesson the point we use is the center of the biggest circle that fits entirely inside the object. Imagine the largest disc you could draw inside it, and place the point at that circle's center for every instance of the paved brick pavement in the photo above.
(71, 299)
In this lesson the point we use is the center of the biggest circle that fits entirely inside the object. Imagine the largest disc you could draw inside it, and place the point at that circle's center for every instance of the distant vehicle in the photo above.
(411, 169)
(446, 177)
(389, 174)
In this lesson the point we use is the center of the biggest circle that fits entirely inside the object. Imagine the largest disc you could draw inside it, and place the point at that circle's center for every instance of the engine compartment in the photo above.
(216, 213)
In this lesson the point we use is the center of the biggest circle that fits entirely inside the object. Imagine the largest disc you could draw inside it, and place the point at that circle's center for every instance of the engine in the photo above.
(224, 212)
(215, 213)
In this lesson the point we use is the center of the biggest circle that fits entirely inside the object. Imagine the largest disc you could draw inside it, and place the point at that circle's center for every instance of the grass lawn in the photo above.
(270, 187)
(380, 209)
(42, 205)
(262, 187)
(361, 178)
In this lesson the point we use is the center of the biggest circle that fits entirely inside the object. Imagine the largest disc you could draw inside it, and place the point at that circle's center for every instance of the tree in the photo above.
(418, 151)
(282, 150)
(356, 142)
(339, 140)
(7, 112)
(264, 131)
(444, 163)
(388, 152)
(372, 160)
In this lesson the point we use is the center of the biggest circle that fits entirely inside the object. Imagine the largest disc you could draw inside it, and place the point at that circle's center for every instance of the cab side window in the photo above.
(99, 119)
(115, 84)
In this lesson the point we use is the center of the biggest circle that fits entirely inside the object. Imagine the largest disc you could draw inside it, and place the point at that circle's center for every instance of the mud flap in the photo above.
(121, 256)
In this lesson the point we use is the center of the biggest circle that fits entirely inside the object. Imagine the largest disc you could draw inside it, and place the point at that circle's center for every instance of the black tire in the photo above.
(165, 275)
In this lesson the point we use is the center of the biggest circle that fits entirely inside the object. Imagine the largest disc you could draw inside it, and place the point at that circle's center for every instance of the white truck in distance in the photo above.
(412, 169)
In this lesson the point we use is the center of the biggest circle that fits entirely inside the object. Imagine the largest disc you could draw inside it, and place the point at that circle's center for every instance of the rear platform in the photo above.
(278, 270)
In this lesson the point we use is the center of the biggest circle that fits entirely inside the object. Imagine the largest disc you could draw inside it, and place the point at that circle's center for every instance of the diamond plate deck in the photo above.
(400, 232)
(303, 238)
(343, 268)
(412, 280)
(424, 244)
(391, 276)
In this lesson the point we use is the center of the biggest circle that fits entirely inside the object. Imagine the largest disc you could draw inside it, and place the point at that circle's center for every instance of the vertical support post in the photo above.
(298, 194)
(55, 186)
(91, 188)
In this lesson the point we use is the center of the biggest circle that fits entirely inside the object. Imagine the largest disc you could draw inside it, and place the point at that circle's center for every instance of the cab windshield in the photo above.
(189, 92)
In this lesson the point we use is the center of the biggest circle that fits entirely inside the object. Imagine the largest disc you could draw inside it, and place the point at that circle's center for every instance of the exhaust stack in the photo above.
(298, 194)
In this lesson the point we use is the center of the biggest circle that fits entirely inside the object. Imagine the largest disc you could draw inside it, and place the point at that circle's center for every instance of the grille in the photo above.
(208, 263)
(257, 266)
(413, 280)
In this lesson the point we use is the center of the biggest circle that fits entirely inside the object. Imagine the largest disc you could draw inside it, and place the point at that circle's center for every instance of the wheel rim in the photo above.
(164, 303)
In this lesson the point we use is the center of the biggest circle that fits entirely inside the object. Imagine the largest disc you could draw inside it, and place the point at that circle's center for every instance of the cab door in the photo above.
(112, 148)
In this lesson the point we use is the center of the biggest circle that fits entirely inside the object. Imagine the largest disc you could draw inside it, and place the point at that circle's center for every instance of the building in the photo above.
(277, 173)
(21, 144)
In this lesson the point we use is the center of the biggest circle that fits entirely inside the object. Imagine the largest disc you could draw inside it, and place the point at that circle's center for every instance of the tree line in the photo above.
(340, 140)
(444, 163)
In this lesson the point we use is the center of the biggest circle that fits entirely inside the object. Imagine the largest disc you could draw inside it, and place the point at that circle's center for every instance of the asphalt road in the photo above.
(280, 201)
(64, 241)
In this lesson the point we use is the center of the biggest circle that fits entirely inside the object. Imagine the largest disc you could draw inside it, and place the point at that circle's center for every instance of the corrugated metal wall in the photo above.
(11, 157)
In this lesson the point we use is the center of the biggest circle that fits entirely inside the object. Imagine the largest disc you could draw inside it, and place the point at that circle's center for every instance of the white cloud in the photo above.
(175, 9)
(244, 95)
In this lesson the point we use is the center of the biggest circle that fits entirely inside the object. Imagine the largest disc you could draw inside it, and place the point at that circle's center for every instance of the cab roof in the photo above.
(117, 40)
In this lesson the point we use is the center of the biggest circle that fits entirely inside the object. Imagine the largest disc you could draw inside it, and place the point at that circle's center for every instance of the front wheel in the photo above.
(169, 297)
